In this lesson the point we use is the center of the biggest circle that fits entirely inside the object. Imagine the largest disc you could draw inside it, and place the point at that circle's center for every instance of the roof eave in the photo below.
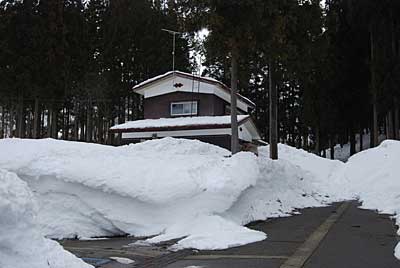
(184, 127)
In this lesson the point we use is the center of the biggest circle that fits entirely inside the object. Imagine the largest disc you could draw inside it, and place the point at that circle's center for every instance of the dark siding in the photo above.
(221, 141)
(159, 106)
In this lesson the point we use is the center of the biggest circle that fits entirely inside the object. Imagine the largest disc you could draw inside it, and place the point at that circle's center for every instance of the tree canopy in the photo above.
(67, 66)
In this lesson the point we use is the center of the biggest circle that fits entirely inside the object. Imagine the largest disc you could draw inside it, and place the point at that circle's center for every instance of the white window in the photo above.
(184, 108)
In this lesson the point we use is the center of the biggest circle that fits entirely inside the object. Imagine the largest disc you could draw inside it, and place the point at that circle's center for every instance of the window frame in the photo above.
(192, 105)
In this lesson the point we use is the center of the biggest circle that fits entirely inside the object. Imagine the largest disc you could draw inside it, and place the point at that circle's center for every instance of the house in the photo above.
(182, 105)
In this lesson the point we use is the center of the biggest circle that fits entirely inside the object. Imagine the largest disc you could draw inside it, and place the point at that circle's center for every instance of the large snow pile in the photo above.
(170, 188)
(372, 176)
(186, 189)
(175, 188)
(21, 243)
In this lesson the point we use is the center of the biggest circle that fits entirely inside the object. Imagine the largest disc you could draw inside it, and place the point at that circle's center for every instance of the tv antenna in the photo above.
(173, 33)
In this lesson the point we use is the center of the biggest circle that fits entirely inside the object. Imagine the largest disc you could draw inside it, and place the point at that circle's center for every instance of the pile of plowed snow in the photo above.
(189, 190)
(171, 188)
(21, 243)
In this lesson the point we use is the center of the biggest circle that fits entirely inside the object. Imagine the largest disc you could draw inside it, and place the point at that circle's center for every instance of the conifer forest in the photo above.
(67, 67)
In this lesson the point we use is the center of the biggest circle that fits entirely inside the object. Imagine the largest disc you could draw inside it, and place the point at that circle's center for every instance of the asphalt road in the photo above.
(339, 236)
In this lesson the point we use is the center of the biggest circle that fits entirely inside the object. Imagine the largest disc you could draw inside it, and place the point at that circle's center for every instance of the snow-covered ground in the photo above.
(175, 188)
(21, 242)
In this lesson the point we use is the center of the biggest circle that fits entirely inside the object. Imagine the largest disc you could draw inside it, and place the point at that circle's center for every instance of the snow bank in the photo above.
(372, 176)
(321, 169)
(21, 244)
(179, 122)
(186, 189)
(170, 188)
(297, 180)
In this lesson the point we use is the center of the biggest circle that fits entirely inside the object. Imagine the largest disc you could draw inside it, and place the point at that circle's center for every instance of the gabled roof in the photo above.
(145, 84)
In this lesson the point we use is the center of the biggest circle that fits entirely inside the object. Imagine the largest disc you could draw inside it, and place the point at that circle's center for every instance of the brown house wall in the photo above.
(159, 106)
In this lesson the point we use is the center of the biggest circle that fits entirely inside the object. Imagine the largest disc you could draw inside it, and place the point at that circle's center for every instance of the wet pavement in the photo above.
(339, 236)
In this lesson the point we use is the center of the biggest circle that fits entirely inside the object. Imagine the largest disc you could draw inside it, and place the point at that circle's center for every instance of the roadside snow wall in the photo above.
(22, 244)
(170, 188)
(186, 189)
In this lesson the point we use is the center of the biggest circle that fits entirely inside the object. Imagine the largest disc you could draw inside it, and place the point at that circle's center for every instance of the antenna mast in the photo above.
(173, 33)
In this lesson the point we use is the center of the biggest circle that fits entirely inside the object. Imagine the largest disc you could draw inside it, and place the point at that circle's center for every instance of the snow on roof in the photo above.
(179, 122)
(212, 80)
(193, 76)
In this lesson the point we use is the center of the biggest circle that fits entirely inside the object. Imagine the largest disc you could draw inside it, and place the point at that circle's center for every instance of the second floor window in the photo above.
(184, 108)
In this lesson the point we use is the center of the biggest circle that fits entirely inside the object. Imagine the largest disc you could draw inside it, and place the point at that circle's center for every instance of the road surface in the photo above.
(339, 236)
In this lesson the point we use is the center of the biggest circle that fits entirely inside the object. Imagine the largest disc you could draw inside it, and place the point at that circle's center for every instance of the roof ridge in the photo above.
(204, 78)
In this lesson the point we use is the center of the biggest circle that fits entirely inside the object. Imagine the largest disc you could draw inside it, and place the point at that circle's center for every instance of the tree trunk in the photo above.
(65, 127)
(76, 121)
(361, 139)
(396, 120)
(89, 128)
(234, 81)
(49, 114)
(2, 129)
(12, 121)
(121, 112)
(390, 134)
(62, 127)
(273, 113)
(100, 128)
(43, 116)
(111, 136)
(375, 126)
(305, 142)
(317, 141)
(20, 116)
(83, 130)
(68, 123)
(54, 127)
(36, 119)
(352, 142)
(332, 148)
